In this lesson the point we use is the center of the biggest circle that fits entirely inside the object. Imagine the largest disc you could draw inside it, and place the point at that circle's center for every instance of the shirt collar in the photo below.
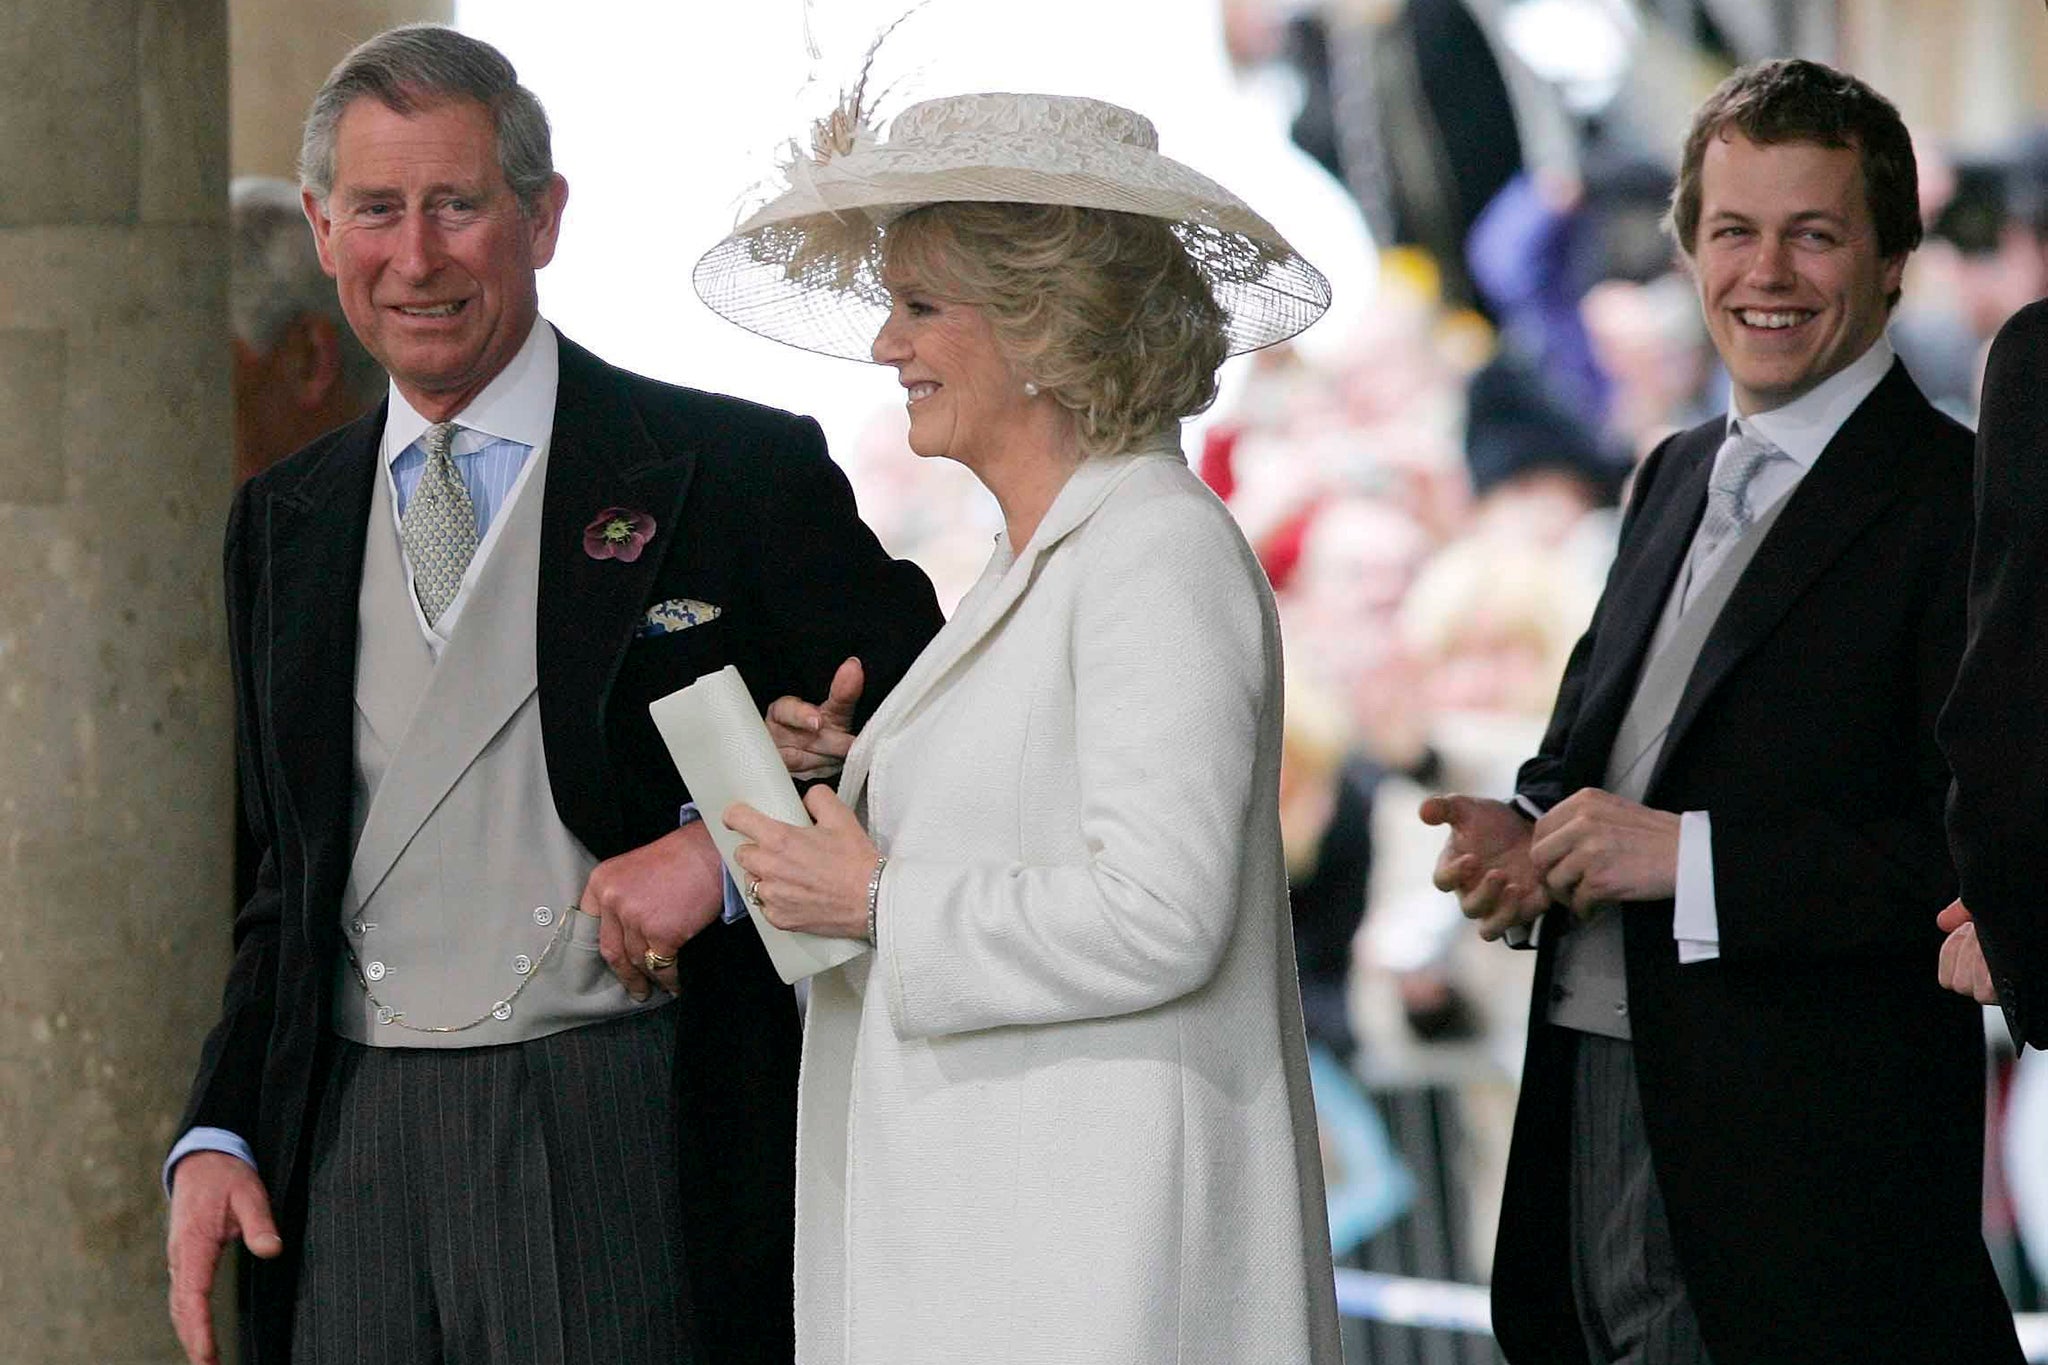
(517, 405)
(1803, 427)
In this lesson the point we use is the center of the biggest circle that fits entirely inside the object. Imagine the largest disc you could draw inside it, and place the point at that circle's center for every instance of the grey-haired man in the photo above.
(494, 1079)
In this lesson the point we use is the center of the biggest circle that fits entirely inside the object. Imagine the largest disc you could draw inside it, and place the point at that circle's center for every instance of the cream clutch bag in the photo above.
(722, 749)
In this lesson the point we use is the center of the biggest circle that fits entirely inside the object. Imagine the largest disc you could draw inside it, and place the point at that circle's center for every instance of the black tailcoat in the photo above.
(751, 515)
(1995, 729)
(1814, 1101)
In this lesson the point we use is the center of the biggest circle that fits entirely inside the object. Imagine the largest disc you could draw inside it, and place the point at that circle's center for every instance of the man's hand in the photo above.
(1486, 861)
(215, 1198)
(1963, 969)
(813, 739)
(657, 897)
(1596, 848)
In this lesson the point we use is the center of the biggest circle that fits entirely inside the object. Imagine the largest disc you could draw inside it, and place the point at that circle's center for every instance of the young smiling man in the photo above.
(446, 1132)
(1751, 1121)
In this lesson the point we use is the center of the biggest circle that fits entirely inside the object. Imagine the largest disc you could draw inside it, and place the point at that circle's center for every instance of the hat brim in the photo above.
(805, 269)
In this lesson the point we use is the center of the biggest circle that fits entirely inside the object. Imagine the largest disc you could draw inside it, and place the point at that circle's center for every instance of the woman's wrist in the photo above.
(875, 895)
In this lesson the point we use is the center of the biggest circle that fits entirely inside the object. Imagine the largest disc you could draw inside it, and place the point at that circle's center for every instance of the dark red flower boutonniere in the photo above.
(618, 533)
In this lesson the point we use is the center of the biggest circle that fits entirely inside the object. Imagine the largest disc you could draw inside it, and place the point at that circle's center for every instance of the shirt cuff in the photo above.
(1695, 922)
(735, 904)
(1528, 935)
(206, 1140)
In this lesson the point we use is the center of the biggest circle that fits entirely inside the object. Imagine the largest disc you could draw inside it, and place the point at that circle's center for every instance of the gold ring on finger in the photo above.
(656, 962)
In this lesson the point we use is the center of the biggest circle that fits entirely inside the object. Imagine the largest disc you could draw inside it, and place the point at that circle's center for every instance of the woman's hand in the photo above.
(813, 738)
(814, 880)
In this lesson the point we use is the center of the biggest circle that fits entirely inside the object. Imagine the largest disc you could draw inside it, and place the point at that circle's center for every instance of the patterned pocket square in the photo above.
(678, 613)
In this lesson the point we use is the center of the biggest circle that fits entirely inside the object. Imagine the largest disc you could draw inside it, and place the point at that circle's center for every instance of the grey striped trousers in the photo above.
(511, 1205)
(1632, 1302)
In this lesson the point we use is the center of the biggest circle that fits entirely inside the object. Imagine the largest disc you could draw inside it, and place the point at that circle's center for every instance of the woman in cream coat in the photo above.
(1061, 1112)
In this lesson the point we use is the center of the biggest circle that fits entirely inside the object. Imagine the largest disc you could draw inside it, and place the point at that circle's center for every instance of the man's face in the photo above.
(428, 247)
(1786, 259)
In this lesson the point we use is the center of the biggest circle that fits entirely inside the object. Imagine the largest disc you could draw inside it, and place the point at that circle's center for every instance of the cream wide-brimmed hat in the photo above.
(805, 268)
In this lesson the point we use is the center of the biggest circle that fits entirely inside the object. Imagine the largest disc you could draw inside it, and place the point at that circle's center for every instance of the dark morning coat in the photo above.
(1814, 1101)
(751, 514)
(1995, 729)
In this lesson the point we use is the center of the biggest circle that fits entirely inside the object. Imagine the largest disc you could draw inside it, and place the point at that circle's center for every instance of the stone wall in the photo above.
(114, 711)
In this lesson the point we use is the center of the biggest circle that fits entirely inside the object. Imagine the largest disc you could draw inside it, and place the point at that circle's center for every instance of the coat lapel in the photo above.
(985, 609)
(1638, 595)
(601, 456)
(1862, 471)
(314, 562)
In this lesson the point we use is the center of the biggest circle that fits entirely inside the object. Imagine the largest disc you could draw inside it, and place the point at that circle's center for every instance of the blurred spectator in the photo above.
(1985, 258)
(299, 372)
(1649, 340)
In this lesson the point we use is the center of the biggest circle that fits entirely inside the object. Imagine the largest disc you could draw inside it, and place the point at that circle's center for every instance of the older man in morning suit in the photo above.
(1751, 1122)
(476, 1095)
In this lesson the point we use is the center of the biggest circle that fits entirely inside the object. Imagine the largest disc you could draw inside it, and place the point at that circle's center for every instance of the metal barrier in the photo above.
(1441, 1304)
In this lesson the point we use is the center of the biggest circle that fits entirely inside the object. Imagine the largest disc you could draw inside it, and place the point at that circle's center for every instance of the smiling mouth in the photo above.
(1774, 320)
(431, 310)
(921, 391)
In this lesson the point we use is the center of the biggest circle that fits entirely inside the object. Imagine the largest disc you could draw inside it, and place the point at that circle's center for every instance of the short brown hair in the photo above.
(1793, 100)
(1103, 310)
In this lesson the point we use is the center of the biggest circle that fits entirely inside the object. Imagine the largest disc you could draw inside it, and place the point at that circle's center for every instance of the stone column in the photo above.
(114, 710)
(280, 55)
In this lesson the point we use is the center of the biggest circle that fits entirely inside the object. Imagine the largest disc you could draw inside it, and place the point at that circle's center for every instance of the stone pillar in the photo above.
(281, 53)
(114, 708)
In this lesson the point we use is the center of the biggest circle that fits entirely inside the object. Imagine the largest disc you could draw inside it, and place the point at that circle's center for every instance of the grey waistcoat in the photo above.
(459, 895)
(1589, 980)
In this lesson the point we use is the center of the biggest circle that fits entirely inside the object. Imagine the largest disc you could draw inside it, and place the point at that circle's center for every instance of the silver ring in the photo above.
(753, 892)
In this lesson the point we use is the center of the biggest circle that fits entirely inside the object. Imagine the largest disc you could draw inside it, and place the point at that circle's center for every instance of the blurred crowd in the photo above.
(1435, 490)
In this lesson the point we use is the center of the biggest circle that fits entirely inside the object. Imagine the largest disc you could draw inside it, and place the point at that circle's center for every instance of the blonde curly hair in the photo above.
(1102, 310)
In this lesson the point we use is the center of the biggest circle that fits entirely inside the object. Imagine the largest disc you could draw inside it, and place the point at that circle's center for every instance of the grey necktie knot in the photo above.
(1736, 466)
(439, 526)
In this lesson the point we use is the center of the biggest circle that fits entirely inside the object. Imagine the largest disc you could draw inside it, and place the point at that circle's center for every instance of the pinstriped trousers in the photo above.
(1633, 1308)
(510, 1205)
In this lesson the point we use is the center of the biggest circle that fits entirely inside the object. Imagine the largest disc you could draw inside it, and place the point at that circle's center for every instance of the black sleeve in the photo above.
(227, 1088)
(1994, 730)
(828, 590)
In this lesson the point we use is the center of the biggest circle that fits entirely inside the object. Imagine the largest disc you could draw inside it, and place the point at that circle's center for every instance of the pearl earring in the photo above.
(1030, 389)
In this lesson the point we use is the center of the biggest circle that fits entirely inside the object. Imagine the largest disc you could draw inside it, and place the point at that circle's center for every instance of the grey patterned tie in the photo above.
(1735, 468)
(439, 527)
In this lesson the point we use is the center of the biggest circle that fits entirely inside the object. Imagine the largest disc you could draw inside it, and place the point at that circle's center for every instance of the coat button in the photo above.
(385, 1014)
(1621, 1007)
(375, 971)
(355, 926)
(502, 1010)
(543, 916)
(522, 964)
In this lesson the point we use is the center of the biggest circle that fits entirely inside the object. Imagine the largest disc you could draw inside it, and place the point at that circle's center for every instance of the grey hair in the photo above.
(415, 66)
(274, 277)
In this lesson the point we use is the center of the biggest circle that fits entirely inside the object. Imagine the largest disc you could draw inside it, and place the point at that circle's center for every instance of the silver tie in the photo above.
(439, 527)
(1735, 468)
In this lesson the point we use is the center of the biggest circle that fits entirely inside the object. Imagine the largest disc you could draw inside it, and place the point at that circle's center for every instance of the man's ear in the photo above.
(316, 214)
(545, 219)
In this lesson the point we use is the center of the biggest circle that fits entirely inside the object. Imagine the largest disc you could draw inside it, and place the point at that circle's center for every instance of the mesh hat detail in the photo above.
(806, 268)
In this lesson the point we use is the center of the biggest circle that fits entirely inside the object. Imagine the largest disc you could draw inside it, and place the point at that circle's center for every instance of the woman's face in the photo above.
(963, 394)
